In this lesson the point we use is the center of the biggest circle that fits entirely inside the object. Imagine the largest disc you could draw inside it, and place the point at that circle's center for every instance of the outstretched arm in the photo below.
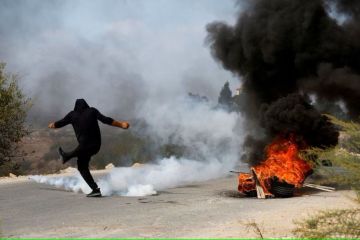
(110, 121)
(61, 123)
(124, 125)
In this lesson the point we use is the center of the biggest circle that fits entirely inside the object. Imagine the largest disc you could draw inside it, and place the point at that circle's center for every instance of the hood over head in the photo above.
(80, 105)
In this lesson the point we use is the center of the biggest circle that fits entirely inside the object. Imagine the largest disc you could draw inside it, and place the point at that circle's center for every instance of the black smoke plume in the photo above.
(294, 115)
(280, 47)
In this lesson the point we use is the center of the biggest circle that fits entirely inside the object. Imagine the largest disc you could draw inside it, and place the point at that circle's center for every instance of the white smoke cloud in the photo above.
(145, 180)
(112, 53)
(73, 183)
(212, 138)
(130, 59)
(167, 173)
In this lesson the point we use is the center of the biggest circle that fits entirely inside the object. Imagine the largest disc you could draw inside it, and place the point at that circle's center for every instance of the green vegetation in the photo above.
(345, 157)
(331, 224)
(13, 108)
(345, 171)
(351, 135)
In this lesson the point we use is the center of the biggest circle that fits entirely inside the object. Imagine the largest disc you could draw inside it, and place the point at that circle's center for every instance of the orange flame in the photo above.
(283, 162)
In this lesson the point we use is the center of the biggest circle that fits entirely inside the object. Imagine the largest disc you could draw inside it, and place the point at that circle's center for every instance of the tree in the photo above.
(13, 108)
(225, 98)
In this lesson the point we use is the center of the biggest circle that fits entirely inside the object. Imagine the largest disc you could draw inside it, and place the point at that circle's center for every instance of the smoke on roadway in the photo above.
(210, 136)
(131, 60)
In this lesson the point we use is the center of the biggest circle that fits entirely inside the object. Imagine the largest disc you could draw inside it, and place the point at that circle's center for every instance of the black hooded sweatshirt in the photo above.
(85, 124)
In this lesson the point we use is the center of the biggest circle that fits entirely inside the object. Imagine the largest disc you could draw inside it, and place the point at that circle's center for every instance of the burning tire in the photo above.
(282, 189)
(251, 193)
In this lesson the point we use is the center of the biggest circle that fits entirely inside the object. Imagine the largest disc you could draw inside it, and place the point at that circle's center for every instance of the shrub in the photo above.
(345, 170)
(13, 108)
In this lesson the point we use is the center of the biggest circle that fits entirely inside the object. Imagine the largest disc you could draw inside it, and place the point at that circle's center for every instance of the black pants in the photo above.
(84, 154)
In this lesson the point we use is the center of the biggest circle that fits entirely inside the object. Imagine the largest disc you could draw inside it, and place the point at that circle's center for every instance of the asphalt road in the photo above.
(207, 209)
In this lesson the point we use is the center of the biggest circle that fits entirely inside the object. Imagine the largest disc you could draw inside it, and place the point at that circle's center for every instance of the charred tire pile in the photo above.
(282, 189)
(251, 193)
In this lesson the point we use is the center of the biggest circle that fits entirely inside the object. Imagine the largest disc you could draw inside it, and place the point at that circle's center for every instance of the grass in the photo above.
(252, 225)
(344, 223)
(345, 171)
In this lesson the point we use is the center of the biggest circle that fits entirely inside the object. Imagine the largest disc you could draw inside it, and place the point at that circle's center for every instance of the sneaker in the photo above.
(94, 193)
(63, 156)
